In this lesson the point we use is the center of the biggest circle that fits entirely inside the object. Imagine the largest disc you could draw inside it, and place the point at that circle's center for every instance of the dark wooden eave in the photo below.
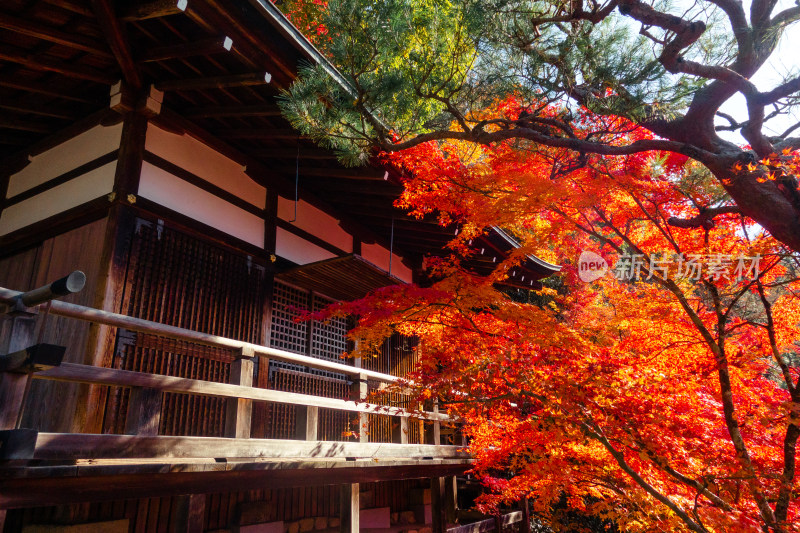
(221, 66)
(342, 278)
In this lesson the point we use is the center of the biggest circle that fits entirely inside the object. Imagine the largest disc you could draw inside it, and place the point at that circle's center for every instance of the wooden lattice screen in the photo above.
(180, 280)
(396, 357)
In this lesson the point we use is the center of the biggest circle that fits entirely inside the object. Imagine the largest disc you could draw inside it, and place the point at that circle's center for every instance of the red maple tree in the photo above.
(664, 398)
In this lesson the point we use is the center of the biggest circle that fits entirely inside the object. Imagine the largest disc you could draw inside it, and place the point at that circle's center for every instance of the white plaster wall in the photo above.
(67, 156)
(297, 249)
(73, 193)
(172, 192)
(202, 160)
(316, 222)
(379, 256)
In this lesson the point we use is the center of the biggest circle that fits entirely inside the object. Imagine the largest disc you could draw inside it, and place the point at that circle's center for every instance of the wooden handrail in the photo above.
(125, 378)
(71, 446)
(99, 316)
(490, 524)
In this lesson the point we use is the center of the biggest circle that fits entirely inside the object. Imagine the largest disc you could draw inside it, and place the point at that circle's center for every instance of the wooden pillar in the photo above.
(525, 525)
(306, 419)
(349, 508)
(144, 412)
(498, 523)
(450, 499)
(438, 515)
(190, 516)
(113, 265)
(13, 385)
(239, 411)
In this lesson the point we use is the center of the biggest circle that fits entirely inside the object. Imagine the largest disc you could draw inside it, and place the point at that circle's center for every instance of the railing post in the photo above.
(239, 411)
(349, 508)
(144, 412)
(400, 428)
(438, 514)
(306, 422)
(358, 393)
(525, 525)
(434, 431)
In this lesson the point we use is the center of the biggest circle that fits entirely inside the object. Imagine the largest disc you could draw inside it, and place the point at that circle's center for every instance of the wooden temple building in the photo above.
(168, 388)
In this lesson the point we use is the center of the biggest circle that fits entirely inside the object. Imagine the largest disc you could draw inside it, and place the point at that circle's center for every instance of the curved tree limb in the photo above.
(705, 219)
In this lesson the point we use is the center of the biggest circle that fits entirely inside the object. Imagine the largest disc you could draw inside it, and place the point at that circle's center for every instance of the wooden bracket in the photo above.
(17, 444)
(33, 359)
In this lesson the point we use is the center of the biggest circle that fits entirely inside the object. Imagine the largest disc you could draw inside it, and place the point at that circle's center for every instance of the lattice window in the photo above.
(286, 334)
(181, 280)
(328, 339)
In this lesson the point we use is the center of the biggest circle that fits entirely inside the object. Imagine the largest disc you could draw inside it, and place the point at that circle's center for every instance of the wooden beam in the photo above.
(70, 5)
(25, 125)
(333, 172)
(310, 237)
(117, 41)
(147, 481)
(37, 109)
(70, 446)
(70, 40)
(351, 186)
(32, 62)
(215, 45)
(261, 49)
(283, 54)
(138, 10)
(264, 110)
(349, 512)
(47, 89)
(266, 134)
(307, 153)
(216, 82)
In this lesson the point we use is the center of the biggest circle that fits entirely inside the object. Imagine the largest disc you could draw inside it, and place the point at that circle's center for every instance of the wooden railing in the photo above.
(143, 415)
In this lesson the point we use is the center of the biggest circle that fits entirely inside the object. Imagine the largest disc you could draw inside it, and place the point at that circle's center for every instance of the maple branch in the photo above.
(793, 429)
(726, 389)
(705, 219)
(597, 434)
